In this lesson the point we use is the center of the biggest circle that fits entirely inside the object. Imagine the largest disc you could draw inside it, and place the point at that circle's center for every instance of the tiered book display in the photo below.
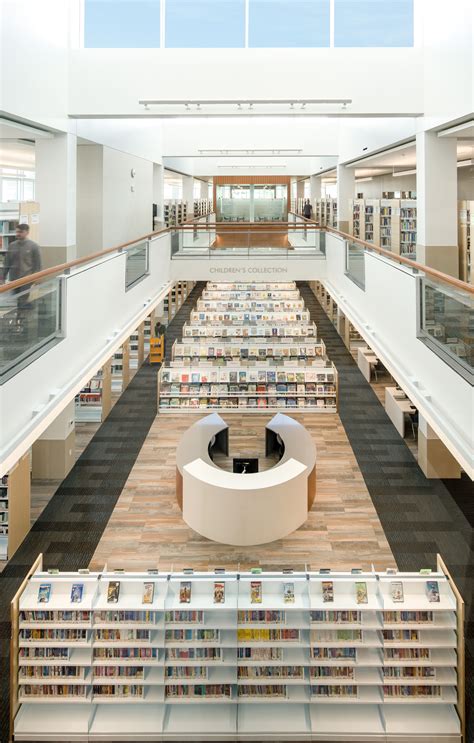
(260, 356)
(226, 656)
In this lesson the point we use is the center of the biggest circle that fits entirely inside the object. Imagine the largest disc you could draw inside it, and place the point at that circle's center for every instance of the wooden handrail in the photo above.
(33, 278)
(439, 275)
(264, 227)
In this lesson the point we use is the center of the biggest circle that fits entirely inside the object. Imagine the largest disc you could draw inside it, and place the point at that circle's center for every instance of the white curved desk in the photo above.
(245, 509)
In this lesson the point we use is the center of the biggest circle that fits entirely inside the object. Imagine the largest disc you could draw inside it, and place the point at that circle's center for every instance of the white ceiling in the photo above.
(14, 154)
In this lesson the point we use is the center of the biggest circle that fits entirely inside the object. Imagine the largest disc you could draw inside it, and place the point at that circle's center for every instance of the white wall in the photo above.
(109, 212)
(127, 214)
(34, 40)
(390, 327)
(140, 138)
(89, 199)
(360, 137)
(466, 183)
(100, 315)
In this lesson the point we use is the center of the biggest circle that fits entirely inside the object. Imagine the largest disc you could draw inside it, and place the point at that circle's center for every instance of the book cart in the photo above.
(323, 655)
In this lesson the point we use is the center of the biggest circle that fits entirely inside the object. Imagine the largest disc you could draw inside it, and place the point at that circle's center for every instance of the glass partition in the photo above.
(447, 322)
(252, 203)
(355, 263)
(30, 319)
(136, 266)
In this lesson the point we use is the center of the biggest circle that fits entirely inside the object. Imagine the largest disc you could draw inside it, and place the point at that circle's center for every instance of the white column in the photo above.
(53, 454)
(299, 189)
(56, 193)
(436, 189)
(345, 192)
(188, 194)
(435, 460)
(315, 189)
(158, 192)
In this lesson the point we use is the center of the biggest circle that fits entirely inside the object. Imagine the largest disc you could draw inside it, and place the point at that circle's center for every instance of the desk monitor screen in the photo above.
(245, 466)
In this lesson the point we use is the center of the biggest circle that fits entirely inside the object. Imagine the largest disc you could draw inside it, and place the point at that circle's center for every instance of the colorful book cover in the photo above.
(255, 592)
(432, 590)
(148, 593)
(396, 591)
(361, 592)
(113, 591)
(44, 592)
(327, 588)
(219, 593)
(185, 592)
(77, 589)
(289, 593)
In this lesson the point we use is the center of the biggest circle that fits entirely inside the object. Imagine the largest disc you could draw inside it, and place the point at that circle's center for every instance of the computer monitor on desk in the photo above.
(245, 465)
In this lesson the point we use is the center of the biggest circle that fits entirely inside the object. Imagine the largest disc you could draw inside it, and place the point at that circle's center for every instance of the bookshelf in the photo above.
(247, 655)
(277, 350)
(175, 213)
(260, 388)
(465, 232)
(356, 212)
(272, 305)
(15, 492)
(286, 330)
(11, 214)
(238, 317)
(202, 207)
(88, 402)
(408, 228)
(258, 286)
(390, 224)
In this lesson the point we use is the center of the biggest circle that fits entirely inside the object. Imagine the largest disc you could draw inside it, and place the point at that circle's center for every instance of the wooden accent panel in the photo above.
(14, 641)
(311, 487)
(19, 489)
(179, 489)
(106, 388)
(125, 364)
(141, 343)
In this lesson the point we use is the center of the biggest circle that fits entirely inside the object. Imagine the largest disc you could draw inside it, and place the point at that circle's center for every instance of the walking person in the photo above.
(23, 258)
(307, 209)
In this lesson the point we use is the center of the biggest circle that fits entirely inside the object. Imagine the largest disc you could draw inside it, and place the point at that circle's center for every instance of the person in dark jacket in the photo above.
(23, 258)
(307, 209)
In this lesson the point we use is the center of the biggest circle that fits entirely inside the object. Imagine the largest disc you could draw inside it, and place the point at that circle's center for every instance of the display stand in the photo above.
(15, 507)
(322, 656)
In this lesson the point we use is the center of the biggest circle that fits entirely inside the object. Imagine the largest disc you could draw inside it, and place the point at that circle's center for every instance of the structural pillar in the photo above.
(315, 192)
(435, 460)
(345, 192)
(158, 194)
(56, 166)
(54, 453)
(188, 194)
(436, 190)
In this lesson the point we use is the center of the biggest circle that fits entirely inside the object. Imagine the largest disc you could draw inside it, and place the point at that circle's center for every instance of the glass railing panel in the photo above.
(137, 263)
(30, 320)
(355, 263)
(447, 321)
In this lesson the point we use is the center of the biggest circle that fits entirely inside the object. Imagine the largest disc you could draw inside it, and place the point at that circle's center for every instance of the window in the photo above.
(363, 23)
(288, 23)
(207, 24)
(121, 23)
(17, 185)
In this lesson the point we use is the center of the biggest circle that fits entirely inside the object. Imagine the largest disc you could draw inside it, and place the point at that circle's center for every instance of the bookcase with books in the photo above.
(4, 497)
(465, 232)
(174, 213)
(356, 211)
(318, 655)
(371, 232)
(408, 228)
(260, 388)
(247, 305)
(201, 207)
(278, 350)
(238, 317)
(287, 330)
(259, 286)
(390, 224)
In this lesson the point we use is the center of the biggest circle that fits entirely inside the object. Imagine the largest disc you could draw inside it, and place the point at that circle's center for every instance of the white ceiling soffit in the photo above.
(14, 130)
(18, 155)
(461, 131)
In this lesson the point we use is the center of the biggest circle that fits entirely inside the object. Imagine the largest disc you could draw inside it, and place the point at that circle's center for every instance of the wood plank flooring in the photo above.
(146, 528)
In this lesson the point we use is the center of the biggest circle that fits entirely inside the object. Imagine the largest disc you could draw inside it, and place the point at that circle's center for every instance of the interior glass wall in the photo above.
(251, 203)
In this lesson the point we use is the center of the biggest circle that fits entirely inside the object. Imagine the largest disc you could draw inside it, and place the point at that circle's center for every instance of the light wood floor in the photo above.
(146, 528)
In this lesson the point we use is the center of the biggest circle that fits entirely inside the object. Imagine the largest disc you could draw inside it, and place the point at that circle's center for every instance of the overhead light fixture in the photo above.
(465, 163)
(244, 153)
(404, 172)
(302, 102)
(364, 180)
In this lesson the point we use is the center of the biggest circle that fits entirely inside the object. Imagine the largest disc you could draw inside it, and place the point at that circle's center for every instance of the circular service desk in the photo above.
(245, 509)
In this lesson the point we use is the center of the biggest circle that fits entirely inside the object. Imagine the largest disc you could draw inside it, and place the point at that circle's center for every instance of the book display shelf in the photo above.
(277, 350)
(233, 656)
(175, 213)
(260, 360)
(88, 402)
(15, 497)
(202, 207)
